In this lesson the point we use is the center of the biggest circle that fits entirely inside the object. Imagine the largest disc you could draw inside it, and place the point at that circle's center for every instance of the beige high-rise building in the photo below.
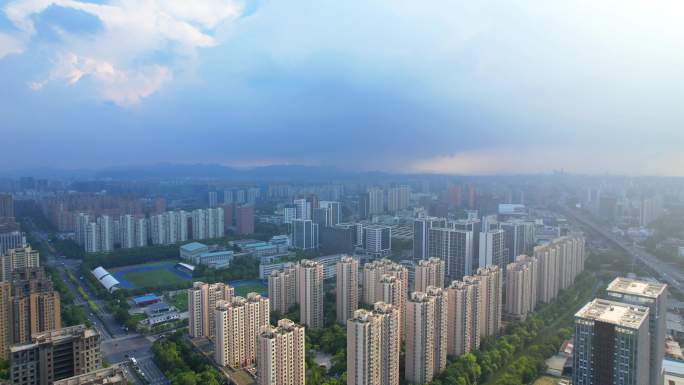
(373, 346)
(426, 341)
(33, 306)
(238, 322)
(373, 272)
(6, 337)
(347, 288)
(55, 355)
(281, 354)
(310, 293)
(19, 258)
(559, 263)
(490, 300)
(390, 290)
(429, 272)
(463, 314)
(521, 287)
(282, 289)
(202, 300)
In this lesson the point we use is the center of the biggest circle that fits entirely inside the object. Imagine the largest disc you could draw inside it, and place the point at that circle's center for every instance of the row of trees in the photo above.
(181, 365)
(518, 356)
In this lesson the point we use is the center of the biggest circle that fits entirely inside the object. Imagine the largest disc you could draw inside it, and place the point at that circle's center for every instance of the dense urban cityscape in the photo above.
(405, 280)
(384, 192)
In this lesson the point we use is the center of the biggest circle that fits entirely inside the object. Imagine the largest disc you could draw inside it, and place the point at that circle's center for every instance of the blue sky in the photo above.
(439, 86)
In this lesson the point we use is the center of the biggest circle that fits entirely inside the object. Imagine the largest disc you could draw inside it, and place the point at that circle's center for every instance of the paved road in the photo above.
(673, 276)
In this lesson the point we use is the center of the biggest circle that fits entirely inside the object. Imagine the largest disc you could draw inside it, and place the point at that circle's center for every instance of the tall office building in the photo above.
(304, 234)
(490, 300)
(347, 288)
(373, 346)
(202, 300)
(426, 340)
(611, 344)
(55, 355)
(19, 258)
(653, 296)
(282, 289)
(521, 287)
(398, 198)
(334, 213)
(377, 240)
(463, 312)
(303, 209)
(454, 247)
(310, 293)
(421, 227)
(492, 249)
(238, 323)
(376, 201)
(429, 272)
(281, 354)
(373, 273)
(559, 263)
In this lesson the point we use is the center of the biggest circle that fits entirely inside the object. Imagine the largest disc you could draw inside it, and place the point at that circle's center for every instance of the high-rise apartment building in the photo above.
(376, 201)
(426, 340)
(653, 296)
(611, 344)
(518, 237)
(347, 288)
(421, 227)
(55, 355)
(521, 287)
(202, 300)
(490, 300)
(244, 220)
(6, 206)
(493, 249)
(282, 289)
(17, 258)
(304, 234)
(281, 354)
(212, 199)
(463, 313)
(398, 198)
(373, 273)
(11, 240)
(559, 263)
(454, 247)
(429, 272)
(208, 223)
(310, 293)
(373, 346)
(238, 322)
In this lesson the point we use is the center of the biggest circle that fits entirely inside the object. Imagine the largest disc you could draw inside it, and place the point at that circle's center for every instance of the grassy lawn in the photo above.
(243, 290)
(152, 278)
(546, 380)
(179, 301)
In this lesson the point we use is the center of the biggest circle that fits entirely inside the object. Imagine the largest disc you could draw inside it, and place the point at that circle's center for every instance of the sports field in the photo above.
(150, 275)
(243, 287)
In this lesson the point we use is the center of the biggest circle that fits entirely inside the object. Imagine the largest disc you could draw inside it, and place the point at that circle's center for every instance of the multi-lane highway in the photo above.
(667, 273)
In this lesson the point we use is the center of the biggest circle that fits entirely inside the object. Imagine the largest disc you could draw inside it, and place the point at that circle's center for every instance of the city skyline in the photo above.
(229, 82)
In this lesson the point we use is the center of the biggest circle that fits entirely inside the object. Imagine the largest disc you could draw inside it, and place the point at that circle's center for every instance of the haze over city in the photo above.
(450, 87)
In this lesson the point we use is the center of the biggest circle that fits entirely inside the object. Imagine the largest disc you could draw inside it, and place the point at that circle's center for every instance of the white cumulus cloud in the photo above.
(123, 57)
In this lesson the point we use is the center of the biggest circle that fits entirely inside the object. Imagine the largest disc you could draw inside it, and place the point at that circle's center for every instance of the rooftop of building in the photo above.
(637, 287)
(193, 246)
(616, 313)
